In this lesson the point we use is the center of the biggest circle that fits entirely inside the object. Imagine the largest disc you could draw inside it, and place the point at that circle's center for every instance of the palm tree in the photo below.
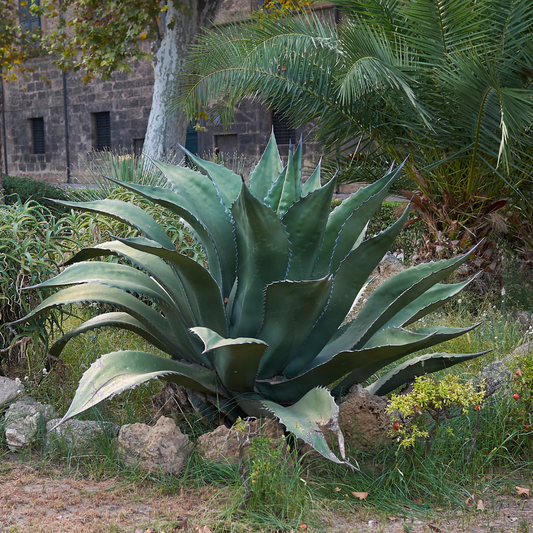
(447, 84)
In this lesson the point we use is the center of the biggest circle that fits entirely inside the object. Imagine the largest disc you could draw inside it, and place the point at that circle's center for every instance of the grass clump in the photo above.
(33, 244)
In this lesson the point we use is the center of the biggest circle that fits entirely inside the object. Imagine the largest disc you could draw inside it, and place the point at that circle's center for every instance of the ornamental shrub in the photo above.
(22, 189)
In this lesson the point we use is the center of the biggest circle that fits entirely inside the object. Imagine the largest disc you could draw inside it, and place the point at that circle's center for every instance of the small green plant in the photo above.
(274, 482)
(420, 413)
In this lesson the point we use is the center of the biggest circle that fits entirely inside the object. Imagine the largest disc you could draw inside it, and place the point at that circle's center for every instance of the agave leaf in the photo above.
(111, 274)
(313, 183)
(117, 319)
(128, 213)
(200, 290)
(424, 364)
(291, 309)
(305, 223)
(355, 225)
(305, 419)
(432, 299)
(269, 165)
(274, 194)
(292, 185)
(231, 299)
(236, 360)
(388, 299)
(432, 337)
(263, 258)
(337, 219)
(156, 267)
(173, 334)
(390, 345)
(116, 372)
(350, 277)
(208, 219)
(228, 183)
(190, 186)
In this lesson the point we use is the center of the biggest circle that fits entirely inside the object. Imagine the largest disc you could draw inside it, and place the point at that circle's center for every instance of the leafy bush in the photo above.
(21, 190)
(33, 244)
(408, 240)
(420, 413)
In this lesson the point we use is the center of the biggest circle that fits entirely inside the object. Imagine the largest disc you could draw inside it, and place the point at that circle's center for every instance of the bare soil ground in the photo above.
(38, 501)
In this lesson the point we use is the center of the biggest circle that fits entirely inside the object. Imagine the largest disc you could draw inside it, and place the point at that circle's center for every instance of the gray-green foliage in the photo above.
(260, 328)
(121, 166)
(125, 167)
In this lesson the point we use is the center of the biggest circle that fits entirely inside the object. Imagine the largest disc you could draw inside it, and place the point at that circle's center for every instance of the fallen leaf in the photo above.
(480, 506)
(337, 489)
(435, 528)
(203, 529)
(361, 495)
(393, 518)
(302, 526)
(471, 500)
(522, 492)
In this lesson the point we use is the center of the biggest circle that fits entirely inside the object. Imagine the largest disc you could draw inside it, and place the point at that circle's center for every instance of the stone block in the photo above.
(160, 448)
(9, 390)
(25, 422)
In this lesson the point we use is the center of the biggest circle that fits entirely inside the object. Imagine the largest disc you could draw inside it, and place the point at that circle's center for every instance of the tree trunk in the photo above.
(167, 130)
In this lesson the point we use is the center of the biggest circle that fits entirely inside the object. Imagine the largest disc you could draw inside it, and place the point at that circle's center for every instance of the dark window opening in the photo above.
(37, 131)
(191, 139)
(28, 21)
(102, 130)
(138, 144)
(282, 132)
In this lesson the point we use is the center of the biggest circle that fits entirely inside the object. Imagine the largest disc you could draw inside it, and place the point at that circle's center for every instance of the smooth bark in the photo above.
(167, 130)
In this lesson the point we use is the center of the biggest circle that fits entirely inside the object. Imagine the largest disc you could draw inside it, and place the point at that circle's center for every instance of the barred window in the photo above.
(101, 131)
(282, 132)
(37, 131)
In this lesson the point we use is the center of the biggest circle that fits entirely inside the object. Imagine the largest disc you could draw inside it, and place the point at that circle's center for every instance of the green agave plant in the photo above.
(262, 327)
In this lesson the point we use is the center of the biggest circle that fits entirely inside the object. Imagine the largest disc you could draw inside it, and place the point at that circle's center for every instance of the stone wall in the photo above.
(248, 135)
(127, 98)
